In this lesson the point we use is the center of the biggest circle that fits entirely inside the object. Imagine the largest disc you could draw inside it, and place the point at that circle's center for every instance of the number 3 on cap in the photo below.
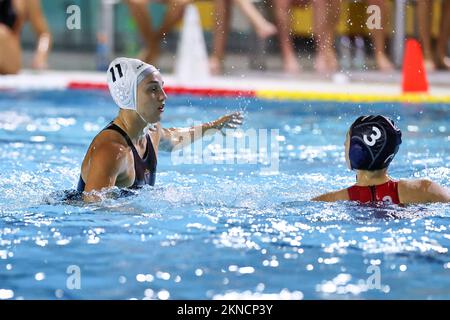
(373, 137)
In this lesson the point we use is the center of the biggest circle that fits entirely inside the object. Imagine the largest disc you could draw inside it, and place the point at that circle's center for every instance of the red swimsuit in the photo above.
(386, 192)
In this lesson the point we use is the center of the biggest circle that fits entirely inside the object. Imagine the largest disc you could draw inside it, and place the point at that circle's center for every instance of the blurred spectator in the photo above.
(424, 18)
(153, 38)
(326, 15)
(443, 60)
(13, 15)
(379, 38)
(263, 28)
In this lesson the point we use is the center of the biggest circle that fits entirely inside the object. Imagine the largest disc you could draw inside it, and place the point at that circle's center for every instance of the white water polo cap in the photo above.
(124, 76)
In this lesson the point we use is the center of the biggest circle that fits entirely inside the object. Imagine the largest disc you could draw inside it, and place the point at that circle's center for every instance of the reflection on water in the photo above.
(217, 231)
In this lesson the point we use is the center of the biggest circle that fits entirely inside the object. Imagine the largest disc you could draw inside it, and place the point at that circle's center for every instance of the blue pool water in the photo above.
(212, 231)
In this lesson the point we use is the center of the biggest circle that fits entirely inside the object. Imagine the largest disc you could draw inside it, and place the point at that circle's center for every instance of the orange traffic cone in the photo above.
(414, 75)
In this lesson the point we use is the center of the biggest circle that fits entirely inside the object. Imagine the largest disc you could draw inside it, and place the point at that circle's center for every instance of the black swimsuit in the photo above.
(144, 169)
(8, 15)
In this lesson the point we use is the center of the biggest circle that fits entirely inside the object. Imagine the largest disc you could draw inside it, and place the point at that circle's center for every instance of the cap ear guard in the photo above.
(358, 154)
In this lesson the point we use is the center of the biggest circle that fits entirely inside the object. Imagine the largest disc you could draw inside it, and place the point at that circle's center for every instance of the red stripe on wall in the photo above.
(209, 92)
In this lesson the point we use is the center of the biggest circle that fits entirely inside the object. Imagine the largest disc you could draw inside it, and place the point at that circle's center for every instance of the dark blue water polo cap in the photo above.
(374, 141)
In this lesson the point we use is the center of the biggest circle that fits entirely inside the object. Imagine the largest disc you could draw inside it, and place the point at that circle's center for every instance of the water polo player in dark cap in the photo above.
(371, 144)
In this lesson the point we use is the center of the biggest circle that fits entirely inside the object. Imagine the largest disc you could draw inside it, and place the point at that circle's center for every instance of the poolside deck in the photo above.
(358, 86)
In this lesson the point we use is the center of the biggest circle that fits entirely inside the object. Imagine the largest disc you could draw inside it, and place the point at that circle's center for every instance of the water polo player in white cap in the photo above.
(124, 153)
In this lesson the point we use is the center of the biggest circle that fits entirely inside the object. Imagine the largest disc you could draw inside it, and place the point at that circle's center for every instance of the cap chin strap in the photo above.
(140, 115)
(149, 124)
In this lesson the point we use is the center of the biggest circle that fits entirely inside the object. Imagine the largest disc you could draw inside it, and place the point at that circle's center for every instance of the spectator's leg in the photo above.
(39, 24)
(140, 14)
(444, 33)
(379, 38)
(10, 52)
(174, 13)
(283, 22)
(424, 16)
(175, 10)
(326, 16)
(222, 14)
(263, 28)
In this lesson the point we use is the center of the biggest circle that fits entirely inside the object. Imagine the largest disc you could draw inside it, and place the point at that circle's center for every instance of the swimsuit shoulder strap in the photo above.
(115, 127)
(151, 151)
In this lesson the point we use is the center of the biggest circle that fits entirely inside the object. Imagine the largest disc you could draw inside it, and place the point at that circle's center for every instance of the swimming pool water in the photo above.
(212, 231)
